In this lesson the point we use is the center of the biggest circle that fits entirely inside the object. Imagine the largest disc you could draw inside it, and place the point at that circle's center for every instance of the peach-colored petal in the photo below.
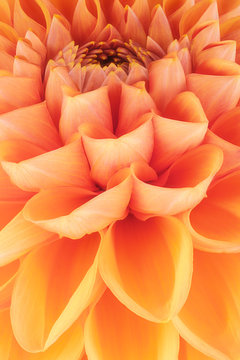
(91, 107)
(219, 67)
(59, 36)
(58, 78)
(68, 346)
(185, 183)
(227, 126)
(128, 249)
(23, 68)
(186, 132)
(7, 46)
(106, 156)
(131, 27)
(25, 92)
(187, 352)
(18, 237)
(7, 278)
(6, 61)
(25, 50)
(134, 102)
(54, 286)
(186, 60)
(94, 78)
(114, 332)
(214, 223)
(36, 44)
(66, 166)
(154, 47)
(5, 13)
(222, 50)
(136, 73)
(226, 90)
(209, 320)
(159, 29)
(74, 212)
(172, 76)
(33, 124)
(142, 10)
(175, 9)
(109, 33)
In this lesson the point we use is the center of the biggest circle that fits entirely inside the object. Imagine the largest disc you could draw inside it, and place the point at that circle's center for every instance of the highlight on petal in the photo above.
(109, 330)
(74, 212)
(172, 76)
(221, 50)
(227, 126)
(214, 223)
(187, 352)
(69, 345)
(159, 29)
(135, 251)
(54, 286)
(59, 36)
(180, 188)
(212, 305)
(8, 275)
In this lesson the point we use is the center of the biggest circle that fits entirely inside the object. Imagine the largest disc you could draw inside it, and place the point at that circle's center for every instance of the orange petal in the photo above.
(172, 76)
(59, 36)
(186, 60)
(25, 92)
(18, 125)
(175, 9)
(185, 184)
(142, 11)
(74, 212)
(70, 345)
(222, 50)
(159, 29)
(134, 103)
(106, 156)
(7, 278)
(5, 12)
(36, 44)
(54, 286)
(66, 166)
(18, 237)
(8, 46)
(189, 128)
(214, 223)
(91, 107)
(131, 27)
(227, 126)
(134, 251)
(136, 73)
(213, 304)
(226, 90)
(109, 333)
(6, 61)
(218, 67)
(187, 352)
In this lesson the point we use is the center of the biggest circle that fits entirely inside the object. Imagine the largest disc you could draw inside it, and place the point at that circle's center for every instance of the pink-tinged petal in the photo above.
(142, 11)
(9, 32)
(69, 346)
(23, 22)
(186, 132)
(230, 29)
(94, 78)
(201, 12)
(7, 46)
(106, 156)
(109, 33)
(136, 73)
(74, 212)
(186, 60)
(23, 68)
(226, 90)
(131, 27)
(129, 247)
(37, 44)
(187, 352)
(186, 184)
(25, 50)
(159, 29)
(55, 284)
(6, 61)
(134, 102)
(154, 47)
(59, 36)
(203, 35)
(212, 305)
(18, 237)
(172, 76)
(235, 12)
(5, 12)
(174, 10)
(66, 166)
(109, 331)
(25, 92)
(214, 223)
(93, 107)
(58, 78)
(88, 20)
(221, 50)
(33, 124)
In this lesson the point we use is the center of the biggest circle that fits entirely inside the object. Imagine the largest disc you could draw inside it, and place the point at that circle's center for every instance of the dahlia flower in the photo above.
(119, 179)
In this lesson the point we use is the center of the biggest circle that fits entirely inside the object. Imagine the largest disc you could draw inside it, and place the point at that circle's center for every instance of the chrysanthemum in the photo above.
(119, 180)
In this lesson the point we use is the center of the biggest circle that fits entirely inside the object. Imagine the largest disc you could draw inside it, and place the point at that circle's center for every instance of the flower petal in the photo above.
(187, 352)
(54, 286)
(109, 333)
(59, 36)
(134, 251)
(159, 29)
(220, 50)
(7, 278)
(131, 27)
(212, 305)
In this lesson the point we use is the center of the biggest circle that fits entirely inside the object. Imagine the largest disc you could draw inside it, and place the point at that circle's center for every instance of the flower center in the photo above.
(115, 52)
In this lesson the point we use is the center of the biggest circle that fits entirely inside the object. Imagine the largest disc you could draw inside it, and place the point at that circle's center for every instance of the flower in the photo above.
(119, 179)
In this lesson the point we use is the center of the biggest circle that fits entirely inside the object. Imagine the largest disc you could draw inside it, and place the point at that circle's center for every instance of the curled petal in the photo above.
(109, 329)
(212, 305)
(5, 12)
(187, 352)
(74, 212)
(185, 184)
(36, 44)
(131, 27)
(54, 286)
(221, 50)
(227, 126)
(130, 245)
(6, 61)
(59, 36)
(159, 29)
(8, 275)
(175, 10)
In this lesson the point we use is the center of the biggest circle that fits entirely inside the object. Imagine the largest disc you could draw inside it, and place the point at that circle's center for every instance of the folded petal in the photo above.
(131, 27)
(59, 36)
(187, 352)
(7, 278)
(214, 223)
(54, 286)
(172, 76)
(159, 29)
(143, 253)
(182, 187)
(220, 50)
(212, 306)
(74, 212)
(109, 333)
